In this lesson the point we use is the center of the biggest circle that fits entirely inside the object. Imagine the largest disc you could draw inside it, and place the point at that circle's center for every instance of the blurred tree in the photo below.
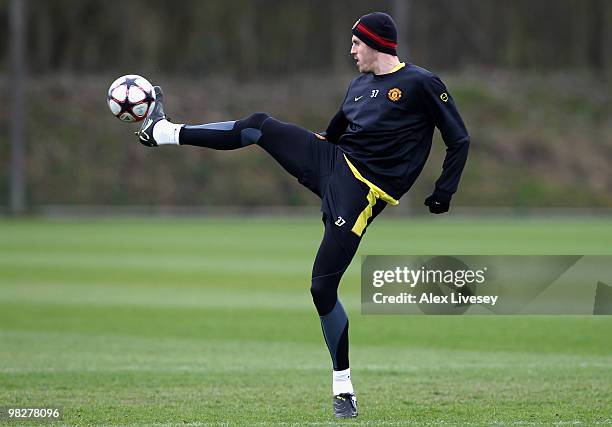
(400, 11)
(18, 30)
(248, 50)
(596, 17)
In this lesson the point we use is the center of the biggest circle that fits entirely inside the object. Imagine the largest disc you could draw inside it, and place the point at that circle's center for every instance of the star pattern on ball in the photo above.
(125, 105)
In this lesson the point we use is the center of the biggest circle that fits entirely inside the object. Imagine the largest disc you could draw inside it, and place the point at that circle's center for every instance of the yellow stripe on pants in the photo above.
(365, 215)
(374, 194)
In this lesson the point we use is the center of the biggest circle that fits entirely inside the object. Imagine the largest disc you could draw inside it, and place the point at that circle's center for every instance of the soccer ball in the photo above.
(131, 98)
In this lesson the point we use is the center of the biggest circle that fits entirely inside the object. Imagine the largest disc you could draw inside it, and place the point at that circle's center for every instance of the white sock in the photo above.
(342, 382)
(165, 132)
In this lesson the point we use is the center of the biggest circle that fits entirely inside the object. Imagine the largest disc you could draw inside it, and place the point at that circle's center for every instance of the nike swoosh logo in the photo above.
(143, 135)
(358, 98)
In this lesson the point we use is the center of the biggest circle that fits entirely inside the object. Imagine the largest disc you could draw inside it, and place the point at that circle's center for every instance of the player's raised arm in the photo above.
(441, 106)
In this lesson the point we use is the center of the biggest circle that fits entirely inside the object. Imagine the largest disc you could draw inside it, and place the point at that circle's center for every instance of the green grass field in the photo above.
(197, 322)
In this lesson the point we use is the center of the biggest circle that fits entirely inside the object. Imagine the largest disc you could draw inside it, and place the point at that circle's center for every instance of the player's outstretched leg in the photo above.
(295, 148)
(157, 130)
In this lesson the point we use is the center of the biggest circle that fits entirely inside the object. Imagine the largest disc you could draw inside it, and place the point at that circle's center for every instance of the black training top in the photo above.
(386, 123)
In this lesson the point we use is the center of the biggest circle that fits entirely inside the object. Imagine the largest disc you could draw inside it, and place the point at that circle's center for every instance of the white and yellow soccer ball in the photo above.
(131, 98)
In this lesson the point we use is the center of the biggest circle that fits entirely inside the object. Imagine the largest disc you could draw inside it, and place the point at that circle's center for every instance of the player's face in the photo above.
(363, 54)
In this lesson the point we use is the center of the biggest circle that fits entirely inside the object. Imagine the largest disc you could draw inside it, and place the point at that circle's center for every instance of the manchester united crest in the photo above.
(394, 94)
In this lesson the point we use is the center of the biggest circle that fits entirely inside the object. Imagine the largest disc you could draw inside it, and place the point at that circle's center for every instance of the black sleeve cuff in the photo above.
(442, 196)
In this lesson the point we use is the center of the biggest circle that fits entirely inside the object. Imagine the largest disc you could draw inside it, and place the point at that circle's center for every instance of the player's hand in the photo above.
(437, 203)
(321, 135)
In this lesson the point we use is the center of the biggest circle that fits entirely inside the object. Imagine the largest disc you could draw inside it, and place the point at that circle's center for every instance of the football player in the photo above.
(370, 155)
